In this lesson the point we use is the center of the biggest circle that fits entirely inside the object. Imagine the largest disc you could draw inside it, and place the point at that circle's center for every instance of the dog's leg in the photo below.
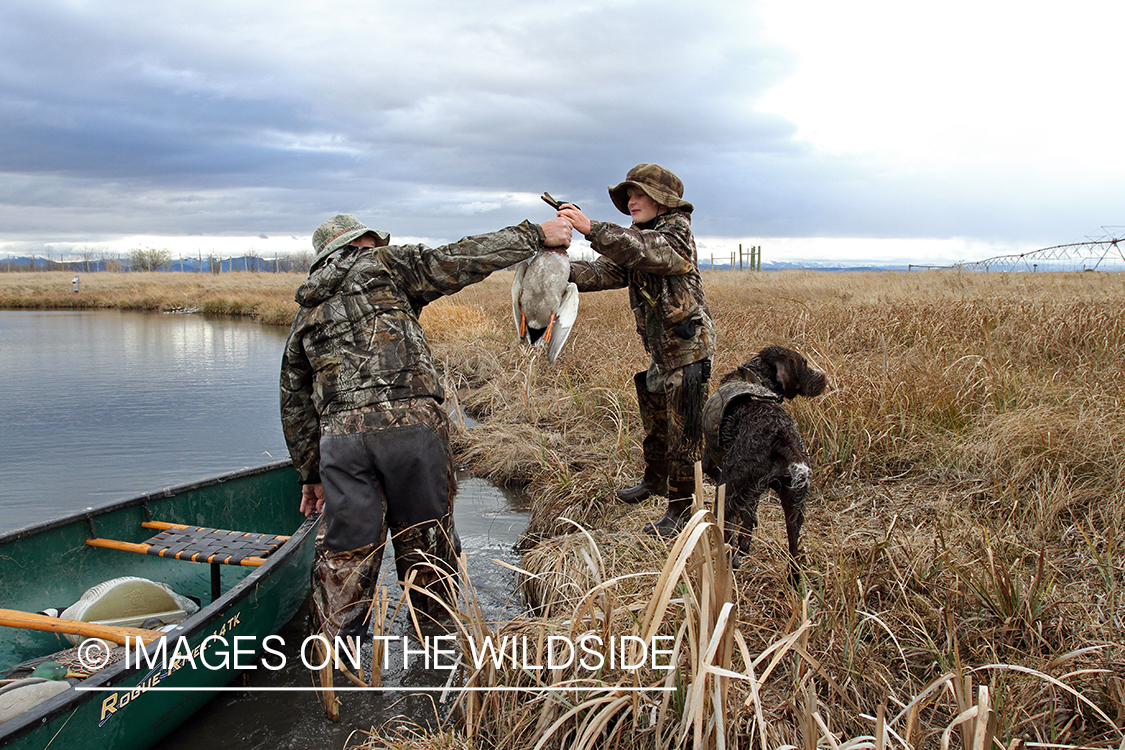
(742, 513)
(749, 518)
(741, 517)
(792, 498)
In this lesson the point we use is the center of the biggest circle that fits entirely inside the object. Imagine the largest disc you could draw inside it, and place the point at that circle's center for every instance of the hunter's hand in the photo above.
(557, 232)
(312, 499)
(577, 219)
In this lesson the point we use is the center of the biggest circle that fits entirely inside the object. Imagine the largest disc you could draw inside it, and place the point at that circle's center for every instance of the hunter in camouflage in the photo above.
(656, 259)
(361, 406)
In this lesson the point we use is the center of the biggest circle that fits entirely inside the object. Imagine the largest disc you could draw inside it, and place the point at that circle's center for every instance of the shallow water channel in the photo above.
(489, 520)
(104, 405)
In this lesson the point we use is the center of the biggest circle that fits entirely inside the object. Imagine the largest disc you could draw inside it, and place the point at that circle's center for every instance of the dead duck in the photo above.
(544, 301)
(48, 680)
(68, 660)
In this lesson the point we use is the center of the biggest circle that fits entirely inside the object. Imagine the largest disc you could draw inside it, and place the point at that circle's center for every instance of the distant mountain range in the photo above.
(190, 265)
(814, 265)
(257, 263)
(291, 263)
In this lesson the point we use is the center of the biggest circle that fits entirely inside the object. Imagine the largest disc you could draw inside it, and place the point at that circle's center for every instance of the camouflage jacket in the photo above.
(658, 263)
(356, 340)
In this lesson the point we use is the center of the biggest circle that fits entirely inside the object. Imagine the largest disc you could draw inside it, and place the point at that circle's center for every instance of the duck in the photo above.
(45, 682)
(545, 301)
(47, 667)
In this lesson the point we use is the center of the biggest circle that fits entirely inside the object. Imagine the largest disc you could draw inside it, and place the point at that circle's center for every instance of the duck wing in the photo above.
(564, 321)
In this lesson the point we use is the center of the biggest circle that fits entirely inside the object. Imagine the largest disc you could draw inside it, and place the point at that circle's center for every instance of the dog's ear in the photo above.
(783, 365)
(788, 368)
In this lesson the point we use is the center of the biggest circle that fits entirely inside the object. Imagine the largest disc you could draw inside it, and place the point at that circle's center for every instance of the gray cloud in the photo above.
(433, 119)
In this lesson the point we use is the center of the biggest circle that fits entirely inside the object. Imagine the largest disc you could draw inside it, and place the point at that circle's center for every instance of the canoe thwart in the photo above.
(166, 525)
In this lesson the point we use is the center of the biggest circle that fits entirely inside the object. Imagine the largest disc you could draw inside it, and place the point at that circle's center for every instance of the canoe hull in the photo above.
(126, 706)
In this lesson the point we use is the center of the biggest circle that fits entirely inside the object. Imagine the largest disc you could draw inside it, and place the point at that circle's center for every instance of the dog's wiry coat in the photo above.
(758, 446)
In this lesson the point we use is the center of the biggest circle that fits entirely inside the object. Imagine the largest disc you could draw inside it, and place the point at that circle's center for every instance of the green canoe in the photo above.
(126, 705)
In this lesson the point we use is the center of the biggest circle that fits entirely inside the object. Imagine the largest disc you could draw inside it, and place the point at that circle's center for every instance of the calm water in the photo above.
(104, 405)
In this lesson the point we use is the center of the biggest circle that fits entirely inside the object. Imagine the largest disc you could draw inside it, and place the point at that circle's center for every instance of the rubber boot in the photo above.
(673, 520)
(655, 482)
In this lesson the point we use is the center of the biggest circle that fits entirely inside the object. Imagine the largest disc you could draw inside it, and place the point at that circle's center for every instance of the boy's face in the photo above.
(642, 208)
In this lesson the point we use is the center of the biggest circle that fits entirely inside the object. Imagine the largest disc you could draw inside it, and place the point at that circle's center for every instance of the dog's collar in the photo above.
(736, 389)
(746, 375)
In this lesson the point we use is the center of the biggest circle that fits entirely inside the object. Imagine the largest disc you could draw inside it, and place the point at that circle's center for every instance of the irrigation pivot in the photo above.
(1100, 251)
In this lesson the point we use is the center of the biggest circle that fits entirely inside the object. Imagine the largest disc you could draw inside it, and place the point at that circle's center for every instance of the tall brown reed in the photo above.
(967, 512)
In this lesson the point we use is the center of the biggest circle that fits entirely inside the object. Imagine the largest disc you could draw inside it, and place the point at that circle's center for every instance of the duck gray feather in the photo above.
(544, 301)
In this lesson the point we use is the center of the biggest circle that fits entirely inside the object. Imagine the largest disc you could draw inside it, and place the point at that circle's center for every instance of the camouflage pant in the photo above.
(671, 405)
(384, 467)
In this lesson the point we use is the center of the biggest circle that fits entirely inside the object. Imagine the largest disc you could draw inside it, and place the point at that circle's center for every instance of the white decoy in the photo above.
(544, 301)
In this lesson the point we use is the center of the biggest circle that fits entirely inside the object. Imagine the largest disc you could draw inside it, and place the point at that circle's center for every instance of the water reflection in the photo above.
(101, 405)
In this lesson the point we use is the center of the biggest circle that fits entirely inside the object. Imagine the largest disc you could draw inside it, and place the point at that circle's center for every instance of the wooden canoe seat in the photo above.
(201, 544)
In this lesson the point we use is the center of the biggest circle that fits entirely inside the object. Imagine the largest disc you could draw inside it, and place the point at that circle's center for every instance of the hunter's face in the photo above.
(642, 208)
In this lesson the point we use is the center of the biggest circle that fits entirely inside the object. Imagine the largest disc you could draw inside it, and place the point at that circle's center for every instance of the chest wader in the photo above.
(673, 441)
(654, 420)
(398, 479)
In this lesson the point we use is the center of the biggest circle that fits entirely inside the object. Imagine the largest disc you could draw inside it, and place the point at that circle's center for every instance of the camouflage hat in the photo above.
(339, 231)
(657, 183)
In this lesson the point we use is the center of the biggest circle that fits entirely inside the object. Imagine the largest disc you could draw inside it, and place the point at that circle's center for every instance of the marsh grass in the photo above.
(965, 530)
(679, 698)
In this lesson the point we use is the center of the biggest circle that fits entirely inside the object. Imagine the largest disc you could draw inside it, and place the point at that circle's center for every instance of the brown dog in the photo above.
(753, 445)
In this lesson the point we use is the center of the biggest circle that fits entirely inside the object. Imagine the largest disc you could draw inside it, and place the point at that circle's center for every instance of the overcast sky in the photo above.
(974, 125)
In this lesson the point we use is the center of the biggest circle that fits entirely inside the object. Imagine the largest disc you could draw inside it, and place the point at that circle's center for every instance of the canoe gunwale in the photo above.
(115, 505)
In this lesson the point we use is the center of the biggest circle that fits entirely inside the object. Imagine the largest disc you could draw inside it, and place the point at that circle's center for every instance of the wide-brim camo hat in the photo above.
(339, 231)
(657, 183)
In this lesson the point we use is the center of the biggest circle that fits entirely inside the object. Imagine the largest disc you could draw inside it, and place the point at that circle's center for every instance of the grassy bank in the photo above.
(267, 297)
(965, 530)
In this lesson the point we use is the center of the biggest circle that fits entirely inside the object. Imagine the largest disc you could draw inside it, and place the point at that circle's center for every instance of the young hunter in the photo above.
(655, 258)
